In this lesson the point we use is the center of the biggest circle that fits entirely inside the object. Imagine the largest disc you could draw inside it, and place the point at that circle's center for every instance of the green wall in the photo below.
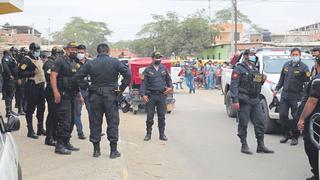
(214, 51)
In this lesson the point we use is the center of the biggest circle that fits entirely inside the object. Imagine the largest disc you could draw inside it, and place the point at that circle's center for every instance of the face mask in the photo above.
(36, 54)
(80, 56)
(295, 59)
(73, 55)
(252, 59)
(157, 62)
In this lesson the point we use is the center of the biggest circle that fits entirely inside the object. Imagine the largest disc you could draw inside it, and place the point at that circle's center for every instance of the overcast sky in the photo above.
(125, 17)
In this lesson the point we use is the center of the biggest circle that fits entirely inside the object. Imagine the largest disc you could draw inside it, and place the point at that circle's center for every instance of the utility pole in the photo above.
(235, 25)
(49, 32)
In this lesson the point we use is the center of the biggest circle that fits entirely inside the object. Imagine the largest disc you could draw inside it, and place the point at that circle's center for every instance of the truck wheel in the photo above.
(269, 124)
(19, 172)
(230, 111)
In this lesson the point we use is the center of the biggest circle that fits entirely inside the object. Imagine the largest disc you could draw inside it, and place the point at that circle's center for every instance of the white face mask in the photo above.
(80, 56)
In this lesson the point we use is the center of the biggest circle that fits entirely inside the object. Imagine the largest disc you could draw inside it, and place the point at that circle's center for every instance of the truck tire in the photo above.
(19, 172)
(231, 113)
(269, 124)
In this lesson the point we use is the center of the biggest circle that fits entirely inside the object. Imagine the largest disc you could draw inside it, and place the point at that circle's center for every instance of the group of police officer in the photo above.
(300, 94)
(64, 80)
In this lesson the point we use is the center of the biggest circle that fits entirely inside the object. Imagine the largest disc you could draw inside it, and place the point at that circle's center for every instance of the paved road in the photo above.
(202, 146)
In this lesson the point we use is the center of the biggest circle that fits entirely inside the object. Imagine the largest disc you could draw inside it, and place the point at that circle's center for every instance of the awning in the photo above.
(11, 6)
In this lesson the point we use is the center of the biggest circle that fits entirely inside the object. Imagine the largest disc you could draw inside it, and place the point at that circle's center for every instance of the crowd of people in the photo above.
(201, 75)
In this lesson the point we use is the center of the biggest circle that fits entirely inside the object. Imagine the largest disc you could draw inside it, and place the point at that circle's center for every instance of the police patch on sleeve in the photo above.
(24, 66)
(235, 75)
(308, 74)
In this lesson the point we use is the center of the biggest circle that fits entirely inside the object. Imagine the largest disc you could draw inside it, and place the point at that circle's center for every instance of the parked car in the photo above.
(270, 63)
(10, 168)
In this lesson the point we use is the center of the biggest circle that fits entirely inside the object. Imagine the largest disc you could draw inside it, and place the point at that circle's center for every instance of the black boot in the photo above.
(8, 108)
(294, 141)
(162, 137)
(69, 146)
(262, 148)
(60, 149)
(114, 151)
(50, 141)
(313, 178)
(244, 146)
(148, 135)
(41, 131)
(96, 149)
(31, 133)
(285, 138)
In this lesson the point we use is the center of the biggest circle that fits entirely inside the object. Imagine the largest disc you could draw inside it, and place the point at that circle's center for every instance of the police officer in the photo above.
(104, 72)
(294, 74)
(10, 75)
(312, 106)
(20, 91)
(65, 92)
(84, 89)
(51, 122)
(31, 68)
(155, 86)
(245, 88)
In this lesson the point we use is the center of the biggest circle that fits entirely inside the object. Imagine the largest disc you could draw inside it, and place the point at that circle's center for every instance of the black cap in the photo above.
(249, 51)
(315, 49)
(34, 46)
(157, 55)
(72, 45)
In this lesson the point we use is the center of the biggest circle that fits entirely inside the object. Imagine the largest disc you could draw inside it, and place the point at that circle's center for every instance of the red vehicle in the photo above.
(137, 67)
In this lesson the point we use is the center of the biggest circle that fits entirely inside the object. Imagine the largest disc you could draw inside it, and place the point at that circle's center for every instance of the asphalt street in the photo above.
(202, 146)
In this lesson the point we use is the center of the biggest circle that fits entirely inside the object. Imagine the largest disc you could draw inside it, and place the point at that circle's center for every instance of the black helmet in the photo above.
(24, 50)
(34, 47)
(14, 49)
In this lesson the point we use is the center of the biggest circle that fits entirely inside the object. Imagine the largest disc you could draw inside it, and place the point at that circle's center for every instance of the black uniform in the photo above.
(153, 85)
(51, 122)
(66, 68)
(34, 92)
(20, 91)
(10, 75)
(292, 80)
(311, 151)
(245, 88)
(104, 72)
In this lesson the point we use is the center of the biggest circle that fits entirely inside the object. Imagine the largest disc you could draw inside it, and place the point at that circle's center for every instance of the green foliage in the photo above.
(89, 33)
(174, 34)
(225, 16)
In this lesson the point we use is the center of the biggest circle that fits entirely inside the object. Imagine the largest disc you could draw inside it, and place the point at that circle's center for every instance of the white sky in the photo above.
(125, 17)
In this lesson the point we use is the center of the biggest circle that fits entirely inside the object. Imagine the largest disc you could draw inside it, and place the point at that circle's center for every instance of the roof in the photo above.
(145, 61)
(22, 29)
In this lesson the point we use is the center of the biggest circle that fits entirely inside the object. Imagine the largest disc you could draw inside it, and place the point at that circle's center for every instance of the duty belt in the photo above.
(156, 92)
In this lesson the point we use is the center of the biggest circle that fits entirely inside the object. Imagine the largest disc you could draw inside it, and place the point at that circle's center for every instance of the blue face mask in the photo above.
(36, 54)
(295, 59)
(252, 59)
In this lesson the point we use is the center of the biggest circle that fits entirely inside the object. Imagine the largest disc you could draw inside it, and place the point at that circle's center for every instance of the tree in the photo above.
(172, 33)
(89, 33)
(225, 16)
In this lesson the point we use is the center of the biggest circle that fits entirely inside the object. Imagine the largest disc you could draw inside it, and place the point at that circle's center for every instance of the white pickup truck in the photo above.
(270, 63)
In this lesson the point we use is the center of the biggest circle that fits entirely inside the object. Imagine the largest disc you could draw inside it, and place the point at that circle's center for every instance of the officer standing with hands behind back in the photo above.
(104, 72)
(246, 83)
(155, 86)
(293, 76)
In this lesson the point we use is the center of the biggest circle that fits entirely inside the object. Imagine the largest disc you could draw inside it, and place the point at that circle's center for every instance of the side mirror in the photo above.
(13, 123)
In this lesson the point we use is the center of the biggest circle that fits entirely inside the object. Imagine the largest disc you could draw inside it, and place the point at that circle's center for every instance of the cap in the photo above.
(315, 49)
(156, 55)
(249, 51)
(72, 45)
